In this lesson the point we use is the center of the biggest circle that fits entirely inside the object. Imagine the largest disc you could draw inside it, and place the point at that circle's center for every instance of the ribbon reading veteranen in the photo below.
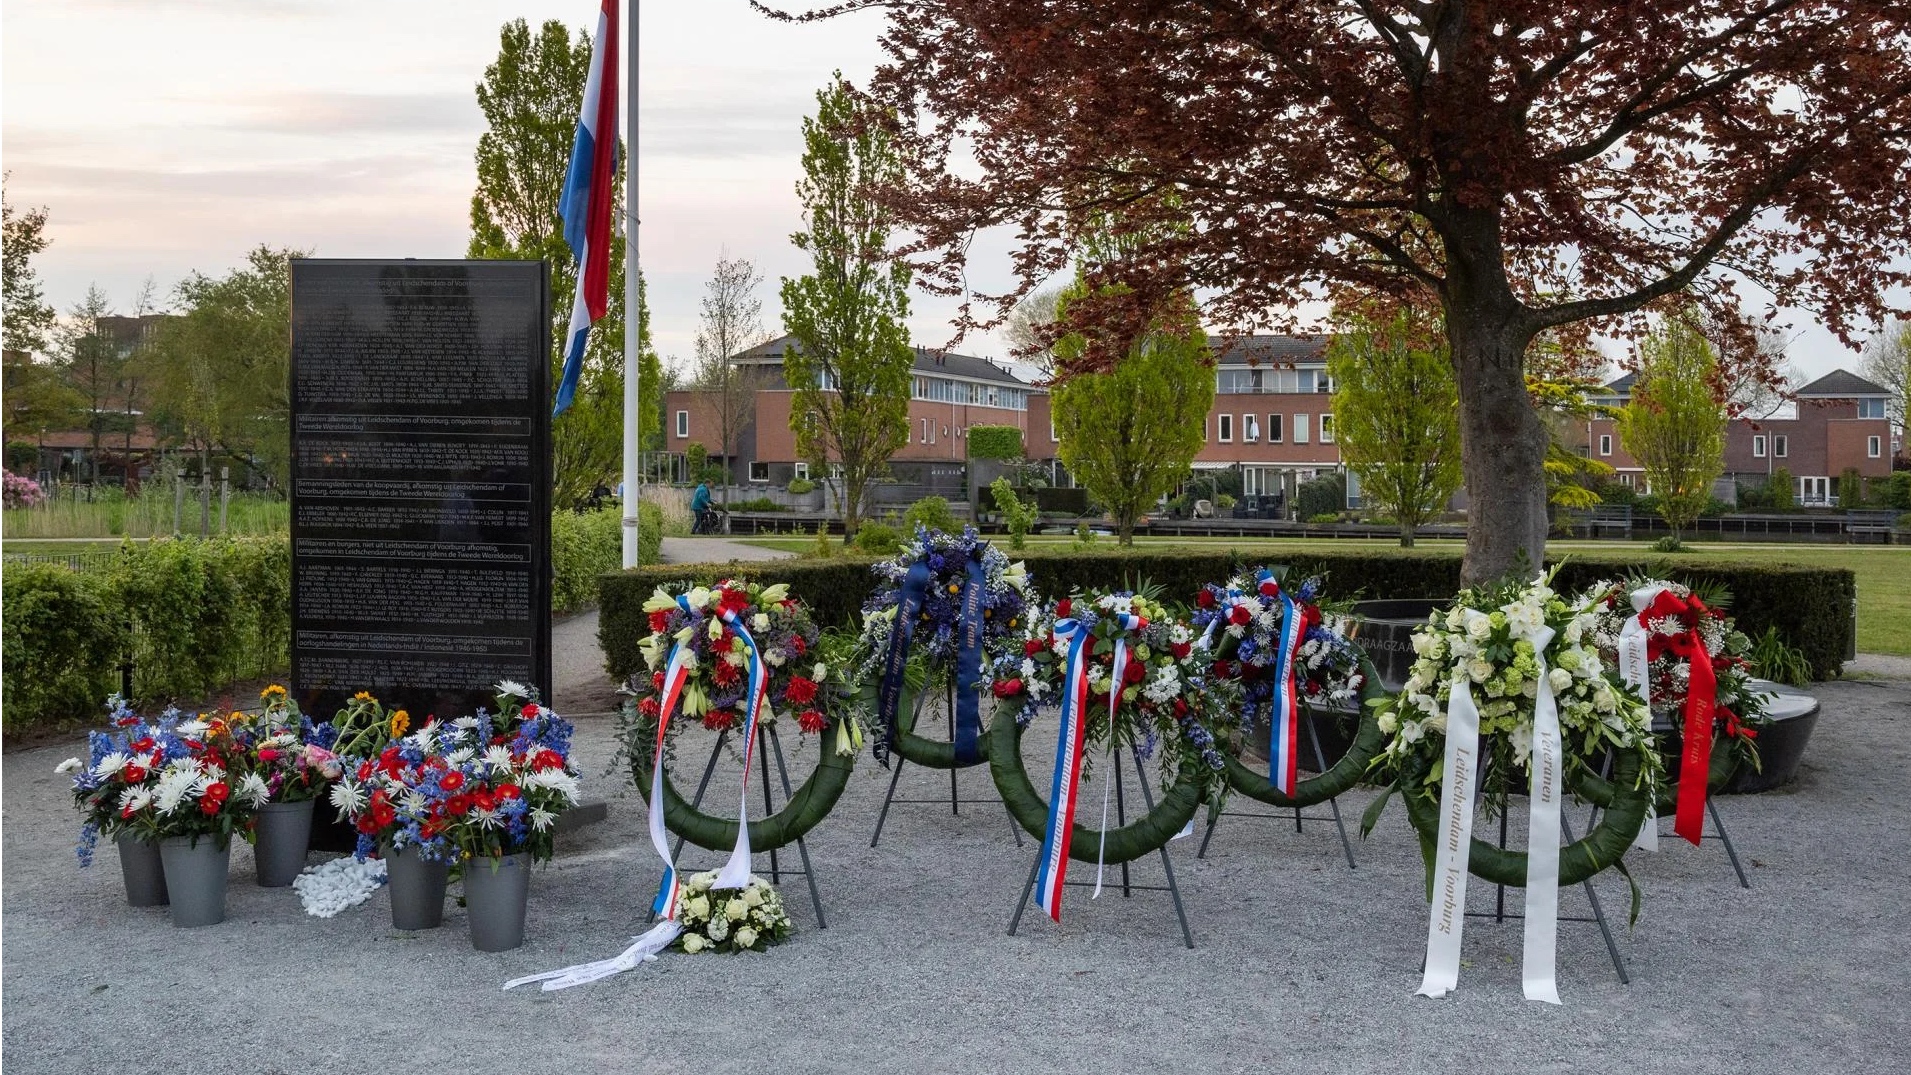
(1546, 768)
(1701, 701)
(735, 873)
(1116, 682)
(1052, 869)
(968, 716)
(1284, 738)
(1635, 665)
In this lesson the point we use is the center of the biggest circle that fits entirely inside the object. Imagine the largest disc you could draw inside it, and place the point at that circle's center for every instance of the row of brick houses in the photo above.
(1834, 424)
(1272, 418)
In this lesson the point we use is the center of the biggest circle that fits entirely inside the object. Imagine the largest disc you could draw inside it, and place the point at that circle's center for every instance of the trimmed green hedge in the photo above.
(995, 442)
(586, 544)
(193, 615)
(1810, 607)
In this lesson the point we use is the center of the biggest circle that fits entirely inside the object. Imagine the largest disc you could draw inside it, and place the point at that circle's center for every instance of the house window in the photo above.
(1273, 429)
(1781, 447)
(1056, 438)
(683, 423)
(1874, 447)
(1327, 429)
(1227, 428)
(1758, 446)
(1250, 429)
(925, 431)
(803, 471)
(759, 472)
(1871, 408)
(1814, 491)
(1605, 444)
(1300, 429)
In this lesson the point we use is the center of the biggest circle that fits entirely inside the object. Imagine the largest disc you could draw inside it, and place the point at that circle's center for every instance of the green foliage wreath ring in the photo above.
(1340, 776)
(1600, 848)
(928, 753)
(1723, 766)
(1152, 831)
(807, 807)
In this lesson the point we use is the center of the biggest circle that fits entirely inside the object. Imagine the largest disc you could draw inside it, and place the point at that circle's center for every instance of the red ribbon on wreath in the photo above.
(1701, 699)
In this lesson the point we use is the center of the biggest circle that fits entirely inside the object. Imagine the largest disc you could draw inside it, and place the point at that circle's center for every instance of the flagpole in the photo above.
(633, 366)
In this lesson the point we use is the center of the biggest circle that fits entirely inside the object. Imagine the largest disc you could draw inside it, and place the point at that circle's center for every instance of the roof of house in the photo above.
(1622, 386)
(1269, 350)
(1841, 384)
(928, 360)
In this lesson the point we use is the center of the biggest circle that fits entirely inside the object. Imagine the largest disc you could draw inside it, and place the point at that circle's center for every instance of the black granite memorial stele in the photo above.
(421, 479)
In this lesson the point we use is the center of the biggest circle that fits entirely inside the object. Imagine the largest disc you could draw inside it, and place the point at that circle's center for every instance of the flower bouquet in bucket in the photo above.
(113, 789)
(280, 748)
(480, 792)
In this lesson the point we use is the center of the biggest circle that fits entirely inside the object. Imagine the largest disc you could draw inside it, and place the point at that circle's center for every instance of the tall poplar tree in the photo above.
(850, 360)
(1674, 424)
(1396, 414)
(530, 97)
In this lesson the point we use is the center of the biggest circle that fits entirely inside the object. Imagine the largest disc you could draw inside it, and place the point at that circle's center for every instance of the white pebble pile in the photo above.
(331, 887)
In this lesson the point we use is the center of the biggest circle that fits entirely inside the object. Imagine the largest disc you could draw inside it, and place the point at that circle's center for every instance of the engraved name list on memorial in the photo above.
(419, 485)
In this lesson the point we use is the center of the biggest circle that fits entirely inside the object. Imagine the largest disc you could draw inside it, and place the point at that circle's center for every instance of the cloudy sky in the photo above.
(166, 136)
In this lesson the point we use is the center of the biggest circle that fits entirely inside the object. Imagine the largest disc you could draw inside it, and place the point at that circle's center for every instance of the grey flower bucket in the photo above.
(497, 892)
(284, 831)
(196, 879)
(145, 876)
(417, 887)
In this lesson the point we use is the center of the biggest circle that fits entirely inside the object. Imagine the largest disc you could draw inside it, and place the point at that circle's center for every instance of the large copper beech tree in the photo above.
(1535, 165)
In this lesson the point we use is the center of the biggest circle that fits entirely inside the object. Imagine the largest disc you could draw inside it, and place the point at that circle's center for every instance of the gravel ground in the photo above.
(1302, 964)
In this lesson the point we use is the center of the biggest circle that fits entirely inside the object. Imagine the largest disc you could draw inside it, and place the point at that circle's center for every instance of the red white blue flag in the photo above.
(586, 202)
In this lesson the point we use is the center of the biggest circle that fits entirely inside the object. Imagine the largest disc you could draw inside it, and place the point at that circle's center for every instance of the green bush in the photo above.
(1897, 490)
(995, 442)
(799, 486)
(1754, 497)
(1325, 495)
(760, 504)
(878, 539)
(1017, 514)
(932, 512)
(1781, 487)
(1851, 489)
(62, 644)
(584, 545)
(1809, 607)
(1324, 518)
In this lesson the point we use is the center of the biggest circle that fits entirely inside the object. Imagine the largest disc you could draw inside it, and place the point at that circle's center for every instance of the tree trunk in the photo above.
(1502, 440)
(852, 504)
(1406, 536)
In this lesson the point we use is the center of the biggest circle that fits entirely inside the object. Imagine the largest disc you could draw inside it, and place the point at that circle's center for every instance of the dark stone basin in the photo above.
(1385, 630)
(1781, 745)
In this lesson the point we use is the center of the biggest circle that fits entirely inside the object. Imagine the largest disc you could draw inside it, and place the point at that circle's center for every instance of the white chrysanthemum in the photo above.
(191, 728)
(252, 789)
(465, 724)
(173, 787)
(110, 764)
(415, 802)
(541, 819)
(70, 765)
(555, 779)
(348, 796)
(487, 819)
(497, 757)
(459, 756)
(514, 689)
(1180, 634)
(136, 798)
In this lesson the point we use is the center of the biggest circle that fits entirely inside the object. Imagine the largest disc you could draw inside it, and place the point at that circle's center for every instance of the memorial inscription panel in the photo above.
(420, 482)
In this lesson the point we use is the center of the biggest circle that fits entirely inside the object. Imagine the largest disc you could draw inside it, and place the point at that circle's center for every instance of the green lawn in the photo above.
(1883, 572)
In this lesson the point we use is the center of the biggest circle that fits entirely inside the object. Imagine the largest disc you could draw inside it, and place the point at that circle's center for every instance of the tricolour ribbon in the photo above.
(1116, 683)
(1052, 869)
(735, 873)
(1635, 667)
(1283, 756)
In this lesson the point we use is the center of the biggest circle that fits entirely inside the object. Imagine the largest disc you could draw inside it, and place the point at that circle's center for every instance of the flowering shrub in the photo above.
(1487, 635)
(484, 785)
(704, 622)
(749, 919)
(1676, 619)
(23, 492)
(1243, 622)
(164, 778)
(1168, 692)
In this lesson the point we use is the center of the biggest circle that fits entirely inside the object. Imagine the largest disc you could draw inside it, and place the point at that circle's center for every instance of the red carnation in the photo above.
(268, 754)
(458, 805)
(649, 707)
(719, 720)
(1222, 670)
(1007, 688)
(1205, 598)
(547, 759)
(799, 646)
(811, 721)
(530, 709)
(1239, 616)
(484, 800)
(800, 691)
(1180, 708)
(726, 674)
(451, 781)
(1270, 588)
(133, 774)
(733, 601)
(659, 621)
(656, 681)
(1063, 608)
(1134, 671)
(1032, 647)
(141, 746)
(1181, 650)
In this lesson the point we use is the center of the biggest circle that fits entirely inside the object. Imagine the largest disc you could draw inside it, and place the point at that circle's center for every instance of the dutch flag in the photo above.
(586, 201)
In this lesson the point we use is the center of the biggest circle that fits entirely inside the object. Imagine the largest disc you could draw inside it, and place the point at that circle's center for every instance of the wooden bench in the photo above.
(1614, 519)
(1868, 523)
